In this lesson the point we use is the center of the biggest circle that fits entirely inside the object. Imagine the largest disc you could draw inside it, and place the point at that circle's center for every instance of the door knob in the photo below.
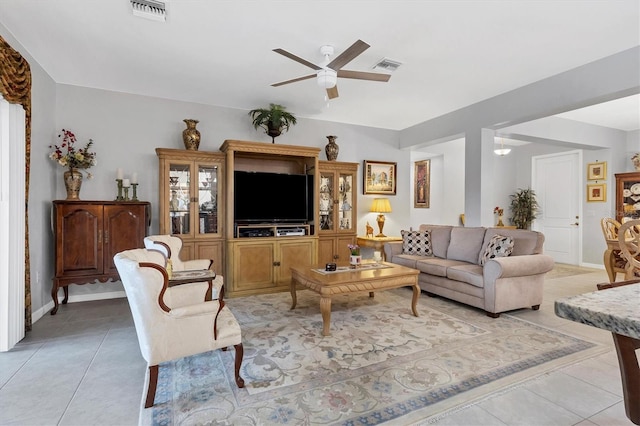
(576, 224)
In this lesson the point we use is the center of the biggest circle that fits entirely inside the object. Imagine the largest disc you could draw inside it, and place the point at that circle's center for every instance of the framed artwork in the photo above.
(597, 192)
(421, 183)
(597, 171)
(379, 177)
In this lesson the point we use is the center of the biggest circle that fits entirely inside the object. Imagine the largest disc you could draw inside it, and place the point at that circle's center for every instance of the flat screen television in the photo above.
(262, 197)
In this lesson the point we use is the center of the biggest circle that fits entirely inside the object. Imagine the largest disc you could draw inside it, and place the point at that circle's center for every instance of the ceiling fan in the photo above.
(328, 73)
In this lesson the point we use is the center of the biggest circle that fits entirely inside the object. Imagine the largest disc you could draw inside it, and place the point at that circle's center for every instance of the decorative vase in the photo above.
(636, 162)
(500, 223)
(72, 183)
(332, 148)
(355, 260)
(191, 135)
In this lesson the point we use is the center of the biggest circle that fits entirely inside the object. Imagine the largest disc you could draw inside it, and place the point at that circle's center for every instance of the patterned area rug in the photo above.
(380, 364)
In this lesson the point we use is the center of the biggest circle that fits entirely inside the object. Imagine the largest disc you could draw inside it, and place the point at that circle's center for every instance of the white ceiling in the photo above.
(454, 53)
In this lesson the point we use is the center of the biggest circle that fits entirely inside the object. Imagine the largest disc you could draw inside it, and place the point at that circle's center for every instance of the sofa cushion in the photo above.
(416, 242)
(436, 266)
(499, 246)
(465, 244)
(470, 274)
(408, 260)
(524, 241)
(440, 237)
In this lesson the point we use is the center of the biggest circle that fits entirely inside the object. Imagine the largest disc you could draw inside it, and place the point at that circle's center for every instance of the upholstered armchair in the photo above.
(171, 245)
(173, 322)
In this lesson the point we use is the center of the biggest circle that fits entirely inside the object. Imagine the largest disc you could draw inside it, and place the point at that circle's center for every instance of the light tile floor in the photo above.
(83, 367)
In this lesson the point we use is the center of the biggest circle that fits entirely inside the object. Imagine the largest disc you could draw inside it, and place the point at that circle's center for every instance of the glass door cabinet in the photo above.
(191, 201)
(337, 210)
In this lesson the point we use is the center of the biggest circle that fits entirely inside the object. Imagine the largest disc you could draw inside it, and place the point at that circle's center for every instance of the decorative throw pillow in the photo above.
(417, 243)
(499, 246)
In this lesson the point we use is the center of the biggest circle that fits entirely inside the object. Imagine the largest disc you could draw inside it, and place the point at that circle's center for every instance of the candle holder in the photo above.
(134, 195)
(126, 193)
(119, 197)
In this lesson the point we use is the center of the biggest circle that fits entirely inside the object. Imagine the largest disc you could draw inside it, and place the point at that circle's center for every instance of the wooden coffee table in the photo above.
(328, 284)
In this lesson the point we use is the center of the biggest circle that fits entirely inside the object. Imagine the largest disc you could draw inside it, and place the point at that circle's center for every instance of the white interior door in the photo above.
(557, 181)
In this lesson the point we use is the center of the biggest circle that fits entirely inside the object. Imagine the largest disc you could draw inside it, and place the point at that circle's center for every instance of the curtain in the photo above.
(15, 86)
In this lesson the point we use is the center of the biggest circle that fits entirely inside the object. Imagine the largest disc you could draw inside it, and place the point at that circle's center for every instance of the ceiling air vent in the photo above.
(149, 9)
(386, 64)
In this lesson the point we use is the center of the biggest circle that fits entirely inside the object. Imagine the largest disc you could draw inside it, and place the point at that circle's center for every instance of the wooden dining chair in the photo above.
(614, 263)
(629, 245)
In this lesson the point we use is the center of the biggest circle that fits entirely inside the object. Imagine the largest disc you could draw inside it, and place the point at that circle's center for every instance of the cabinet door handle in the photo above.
(336, 257)
(100, 236)
(276, 263)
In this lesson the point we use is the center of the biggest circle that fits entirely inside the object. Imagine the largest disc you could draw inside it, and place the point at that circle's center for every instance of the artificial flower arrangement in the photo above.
(68, 156)
(636, 160)
(355, 249)
(499, 211)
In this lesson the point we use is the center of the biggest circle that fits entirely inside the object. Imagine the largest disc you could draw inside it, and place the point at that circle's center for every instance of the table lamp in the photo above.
(380, 206)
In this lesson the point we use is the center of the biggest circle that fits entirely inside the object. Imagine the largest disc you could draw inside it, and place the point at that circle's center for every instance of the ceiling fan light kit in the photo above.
(328, 73)
(327, 78)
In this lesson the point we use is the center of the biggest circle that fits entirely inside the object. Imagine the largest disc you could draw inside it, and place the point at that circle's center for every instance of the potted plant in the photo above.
(524, 208)
(273, 120)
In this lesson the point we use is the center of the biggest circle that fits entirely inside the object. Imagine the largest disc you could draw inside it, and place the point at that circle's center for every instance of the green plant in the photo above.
(524, 208)
(273, 119)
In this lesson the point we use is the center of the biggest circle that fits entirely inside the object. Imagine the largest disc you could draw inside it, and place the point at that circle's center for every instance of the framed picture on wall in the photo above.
(379, 177)
(421, 183)
(597, 171)
(597, 192)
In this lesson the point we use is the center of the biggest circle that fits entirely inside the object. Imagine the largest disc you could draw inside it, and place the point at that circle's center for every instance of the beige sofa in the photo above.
(454, 268)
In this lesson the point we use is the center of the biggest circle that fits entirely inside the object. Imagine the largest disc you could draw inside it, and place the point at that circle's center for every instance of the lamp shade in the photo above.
(381, 205)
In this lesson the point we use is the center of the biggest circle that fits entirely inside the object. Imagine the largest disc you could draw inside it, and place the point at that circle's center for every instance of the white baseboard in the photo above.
(36, 315)
(592, 265)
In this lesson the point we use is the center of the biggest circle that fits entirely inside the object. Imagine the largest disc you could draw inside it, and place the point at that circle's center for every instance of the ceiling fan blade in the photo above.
(348, 55)
(306, 77)
(297, 59)
(362, 75)
(332, 92)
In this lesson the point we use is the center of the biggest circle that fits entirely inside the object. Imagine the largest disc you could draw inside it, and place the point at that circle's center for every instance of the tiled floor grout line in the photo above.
(40, 345)
(84, 375)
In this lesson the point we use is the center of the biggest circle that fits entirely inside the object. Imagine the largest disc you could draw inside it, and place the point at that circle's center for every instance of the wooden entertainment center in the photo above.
(260, 263)
(256, 257)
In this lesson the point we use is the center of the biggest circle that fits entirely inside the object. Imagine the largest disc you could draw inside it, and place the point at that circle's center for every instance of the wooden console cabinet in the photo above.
(88, 234)
(337, 209)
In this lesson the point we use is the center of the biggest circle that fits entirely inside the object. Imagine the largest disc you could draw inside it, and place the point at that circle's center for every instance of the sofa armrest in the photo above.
(516, 266)
(391, 249)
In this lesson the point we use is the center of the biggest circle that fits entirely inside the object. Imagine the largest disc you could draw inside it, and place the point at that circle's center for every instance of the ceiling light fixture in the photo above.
(149, 9)
(327, 78)
(502, 151)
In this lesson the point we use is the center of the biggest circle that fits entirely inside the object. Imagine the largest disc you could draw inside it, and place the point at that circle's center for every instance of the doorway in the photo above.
(557, 182)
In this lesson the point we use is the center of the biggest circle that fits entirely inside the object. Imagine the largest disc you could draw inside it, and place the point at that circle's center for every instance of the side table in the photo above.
(376, 243)
(206, 275)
